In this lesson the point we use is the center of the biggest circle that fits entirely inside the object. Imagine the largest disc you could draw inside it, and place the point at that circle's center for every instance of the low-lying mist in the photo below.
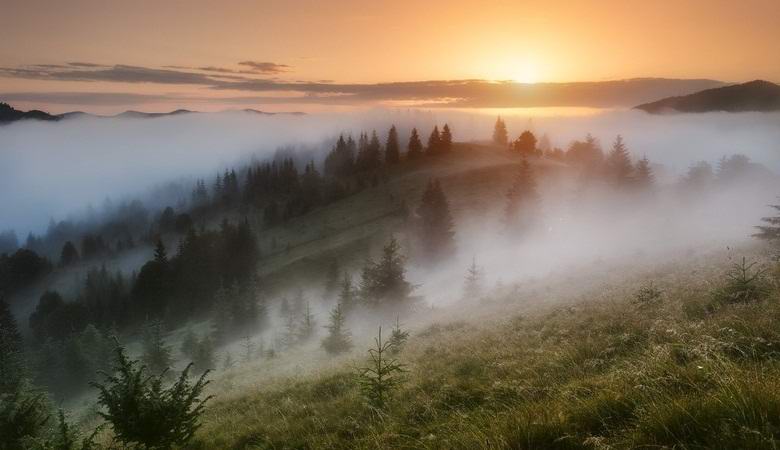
(53, 169)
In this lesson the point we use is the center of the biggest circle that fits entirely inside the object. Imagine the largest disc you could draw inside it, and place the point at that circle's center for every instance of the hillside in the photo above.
(627, 355)
(758, 95)
(9, 114)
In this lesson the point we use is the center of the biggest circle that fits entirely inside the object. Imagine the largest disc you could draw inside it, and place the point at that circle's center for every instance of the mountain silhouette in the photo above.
(758, 95)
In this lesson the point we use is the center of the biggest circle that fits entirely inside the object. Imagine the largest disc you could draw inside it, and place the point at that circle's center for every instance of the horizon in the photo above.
(276, 57)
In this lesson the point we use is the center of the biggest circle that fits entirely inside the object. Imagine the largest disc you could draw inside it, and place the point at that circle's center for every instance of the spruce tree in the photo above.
(415, 148)
(69, 254)
(446, 139)
(525, 144)
(770, 231)
(347, 293)
(619, 167)
(383, 283)
(644, 178)
(500, 136)
(383, 374)
(437, 236)
(473, 284)
(398, 337)
(156, 354)
(12, 368)
(392, 150)
(307, 325)
(338, 339)
(434, 142)
(332, 279)
(522, 199)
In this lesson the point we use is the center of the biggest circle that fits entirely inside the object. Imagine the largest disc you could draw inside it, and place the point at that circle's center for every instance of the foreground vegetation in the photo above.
(672, 357)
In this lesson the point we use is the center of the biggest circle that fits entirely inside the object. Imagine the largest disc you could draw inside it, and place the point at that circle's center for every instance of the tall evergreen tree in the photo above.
(500, 135)
(446, 138)
(69, 254)
(415, 148)
(522, 199)
(437, 236)
(338, 339)
(473, 283)
(525, 144)
(392, 150)
(644, 177)
(156, 354)
(434, 142)
(619, 168)
(347, 293)
(770, 231)
(11, 352)
(384, 282)
(308, 323)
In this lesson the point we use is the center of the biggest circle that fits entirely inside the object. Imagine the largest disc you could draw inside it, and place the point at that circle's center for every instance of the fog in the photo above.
(53, 169)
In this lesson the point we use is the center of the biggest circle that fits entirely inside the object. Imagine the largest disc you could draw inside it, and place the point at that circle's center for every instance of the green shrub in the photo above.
(382, 376)
(744, 284)
(142, 411)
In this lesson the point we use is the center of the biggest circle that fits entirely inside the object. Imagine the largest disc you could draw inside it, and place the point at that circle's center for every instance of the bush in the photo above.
(142, 411)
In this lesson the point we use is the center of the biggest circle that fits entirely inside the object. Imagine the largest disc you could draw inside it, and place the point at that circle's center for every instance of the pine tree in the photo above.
(12, 367)
(770, 231)
(522, 199)
(446, 139)
(307, 325)
(473, 285)
(619, 167)
(338, 339)
(384, 282)
(249, 349)
(392, 150)
(69, 254)
(437, 237)
(332, 279)
(500, 136)
(347, 293)
(382, 376)
(434, 142)
(156, 354)
(415, 148)
(644, 178)
(398, 337)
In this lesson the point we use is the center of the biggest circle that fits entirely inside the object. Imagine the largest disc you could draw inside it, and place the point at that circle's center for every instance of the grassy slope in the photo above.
(569, 361)
(582, 365)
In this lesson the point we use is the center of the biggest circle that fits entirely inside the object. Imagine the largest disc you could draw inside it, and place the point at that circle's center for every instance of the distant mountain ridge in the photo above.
(9, 114)
(757, 95)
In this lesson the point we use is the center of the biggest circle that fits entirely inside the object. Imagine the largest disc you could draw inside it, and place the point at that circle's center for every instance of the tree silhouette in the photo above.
(338, 339)
(525, 144)
(643, 177)
(446, 139)
(522, 199)
(437, 235)
(384, 282)
(415, 148)
(500, 136)
(619, 168)
(434, 142)
(770, 231)
(392, 150)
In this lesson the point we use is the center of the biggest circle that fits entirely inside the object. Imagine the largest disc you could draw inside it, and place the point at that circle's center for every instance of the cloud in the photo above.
(85, 64)
(85, 98)
(265, 67)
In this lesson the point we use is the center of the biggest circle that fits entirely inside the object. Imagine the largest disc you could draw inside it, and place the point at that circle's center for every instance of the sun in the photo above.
(525, 71)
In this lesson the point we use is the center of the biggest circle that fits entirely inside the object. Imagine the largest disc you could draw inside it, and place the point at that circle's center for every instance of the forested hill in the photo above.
(758, 95)
(9, 114)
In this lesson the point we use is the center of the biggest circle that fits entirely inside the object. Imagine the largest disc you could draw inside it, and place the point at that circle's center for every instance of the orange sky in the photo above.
(372, 42)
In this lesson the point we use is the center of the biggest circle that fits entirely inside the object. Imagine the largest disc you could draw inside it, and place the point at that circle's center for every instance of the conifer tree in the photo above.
(384, 282)
(12, 368)
(619, 167)
(347, 293)
(437, 236)
(415, 148)
(307, 325)
(434, 142)
(156, 354)
(398, 337)
(249, 349)
(770, 231)
(644, 177)
(338, 339)
(392, 150)
(522, 199)
(500, 135)
(382, 376)
(446, 139)
(332, 279)
(473, 284)
(189, 345)
(228, 362)
(69, 254)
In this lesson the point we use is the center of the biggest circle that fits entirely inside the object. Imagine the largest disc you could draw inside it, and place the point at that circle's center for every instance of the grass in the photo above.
(593, 368)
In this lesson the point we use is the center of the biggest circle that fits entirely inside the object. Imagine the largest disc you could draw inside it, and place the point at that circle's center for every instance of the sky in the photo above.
(108, 56)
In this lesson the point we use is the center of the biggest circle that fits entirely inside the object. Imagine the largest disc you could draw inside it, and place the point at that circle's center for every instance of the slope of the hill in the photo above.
(625, 355)
(758, 95)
